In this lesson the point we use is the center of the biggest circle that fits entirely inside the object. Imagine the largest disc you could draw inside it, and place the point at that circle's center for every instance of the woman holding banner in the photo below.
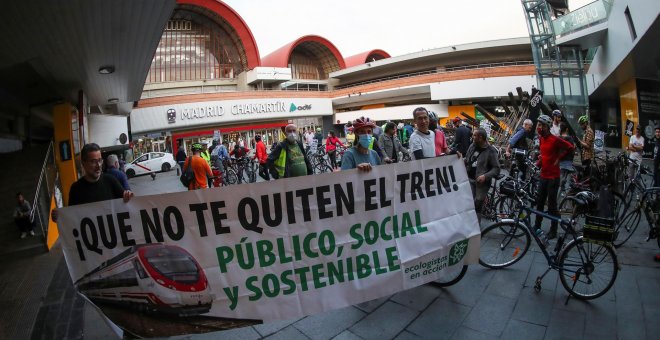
(361, 155)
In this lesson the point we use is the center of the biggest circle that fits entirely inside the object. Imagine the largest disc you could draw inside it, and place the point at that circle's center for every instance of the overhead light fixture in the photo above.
(113, 100)
(107, 69)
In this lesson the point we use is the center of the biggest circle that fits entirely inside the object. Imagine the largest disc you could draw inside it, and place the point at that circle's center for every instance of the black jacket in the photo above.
(275, 154)
(487, 163)
(462, 139)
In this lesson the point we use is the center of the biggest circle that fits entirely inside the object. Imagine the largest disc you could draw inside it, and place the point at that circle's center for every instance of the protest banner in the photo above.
(275, 250)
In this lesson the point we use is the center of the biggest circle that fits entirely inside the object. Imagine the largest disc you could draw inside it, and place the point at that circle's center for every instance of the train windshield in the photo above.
(173, 263)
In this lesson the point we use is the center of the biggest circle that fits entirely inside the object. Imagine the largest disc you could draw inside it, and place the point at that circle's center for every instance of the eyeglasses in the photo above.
(95, 161)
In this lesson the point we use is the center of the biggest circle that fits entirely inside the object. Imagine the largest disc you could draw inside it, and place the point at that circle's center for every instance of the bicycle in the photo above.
(507, 203)
(650, 205)
(493, 199)
(576, 207)
(319, 162)
(635, 186)
(579, 261)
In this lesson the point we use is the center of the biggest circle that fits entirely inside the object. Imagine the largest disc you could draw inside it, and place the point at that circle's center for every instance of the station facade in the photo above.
(208, 80)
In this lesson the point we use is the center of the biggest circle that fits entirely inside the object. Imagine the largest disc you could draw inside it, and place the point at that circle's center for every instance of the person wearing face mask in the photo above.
(360, 156)
(552, 149)
(441, 147)
(288, 159)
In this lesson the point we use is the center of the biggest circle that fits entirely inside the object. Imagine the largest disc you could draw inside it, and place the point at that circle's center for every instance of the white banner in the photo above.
(276, 250)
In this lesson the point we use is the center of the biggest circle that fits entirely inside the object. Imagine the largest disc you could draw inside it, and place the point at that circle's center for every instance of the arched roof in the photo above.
(365, 57)
(236, 23)
(322, 48)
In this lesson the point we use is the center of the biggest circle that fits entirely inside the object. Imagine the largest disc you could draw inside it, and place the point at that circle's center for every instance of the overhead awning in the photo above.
(395, 113)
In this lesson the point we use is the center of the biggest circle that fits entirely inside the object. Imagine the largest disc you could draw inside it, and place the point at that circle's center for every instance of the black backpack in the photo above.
(187, 176)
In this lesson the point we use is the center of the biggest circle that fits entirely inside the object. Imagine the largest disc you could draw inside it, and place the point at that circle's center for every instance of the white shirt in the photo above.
(424, 142)
(636, 141)
(309, 138)
(555, 129)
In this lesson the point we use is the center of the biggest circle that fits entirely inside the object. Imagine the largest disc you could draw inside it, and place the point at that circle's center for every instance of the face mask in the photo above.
(365, 140)
(291, 137)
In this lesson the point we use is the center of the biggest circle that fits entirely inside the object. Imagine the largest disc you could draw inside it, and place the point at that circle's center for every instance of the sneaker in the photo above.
(23, 234)
(31, 232)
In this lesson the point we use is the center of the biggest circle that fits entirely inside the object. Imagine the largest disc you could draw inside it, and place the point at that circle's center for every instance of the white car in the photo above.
(149, 163)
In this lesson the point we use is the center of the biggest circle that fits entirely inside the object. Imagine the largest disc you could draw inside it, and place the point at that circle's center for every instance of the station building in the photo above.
(207, 80)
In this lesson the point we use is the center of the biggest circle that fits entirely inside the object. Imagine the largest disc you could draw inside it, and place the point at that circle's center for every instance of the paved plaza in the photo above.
(39, 302)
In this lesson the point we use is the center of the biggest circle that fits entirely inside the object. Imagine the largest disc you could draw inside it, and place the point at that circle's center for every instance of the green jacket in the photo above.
(278, 160)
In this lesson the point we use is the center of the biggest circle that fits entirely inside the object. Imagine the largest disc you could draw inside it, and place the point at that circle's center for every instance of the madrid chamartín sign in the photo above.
(274, 250)
(160, 118)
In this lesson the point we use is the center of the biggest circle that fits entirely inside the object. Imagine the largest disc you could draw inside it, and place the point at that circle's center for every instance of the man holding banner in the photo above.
(94, 186)
(289, 158)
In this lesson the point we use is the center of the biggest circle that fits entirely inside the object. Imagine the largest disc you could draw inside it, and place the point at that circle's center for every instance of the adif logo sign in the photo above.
(293, 107)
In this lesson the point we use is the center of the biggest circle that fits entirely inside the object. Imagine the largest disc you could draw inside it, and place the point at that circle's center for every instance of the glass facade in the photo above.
(195, 47)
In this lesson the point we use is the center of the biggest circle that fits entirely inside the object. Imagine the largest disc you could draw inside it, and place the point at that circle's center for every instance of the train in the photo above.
(153, 278)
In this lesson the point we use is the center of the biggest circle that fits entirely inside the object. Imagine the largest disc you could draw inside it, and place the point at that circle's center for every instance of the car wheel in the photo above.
(130, 173)
(166, 167)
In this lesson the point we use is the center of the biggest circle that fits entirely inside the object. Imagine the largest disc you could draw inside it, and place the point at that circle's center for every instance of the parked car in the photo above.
(149, 163)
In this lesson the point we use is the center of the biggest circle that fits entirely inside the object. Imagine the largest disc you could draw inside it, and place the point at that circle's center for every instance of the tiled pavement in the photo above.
(37, 297)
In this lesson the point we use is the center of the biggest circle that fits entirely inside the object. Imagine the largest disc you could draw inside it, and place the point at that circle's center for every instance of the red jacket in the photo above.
(331, 144)
(553, 149)
(261, 154)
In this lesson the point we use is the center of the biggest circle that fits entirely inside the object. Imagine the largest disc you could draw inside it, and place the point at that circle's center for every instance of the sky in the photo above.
(398, 27)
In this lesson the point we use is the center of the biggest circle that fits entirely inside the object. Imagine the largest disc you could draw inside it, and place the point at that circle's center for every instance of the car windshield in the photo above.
(142, 158)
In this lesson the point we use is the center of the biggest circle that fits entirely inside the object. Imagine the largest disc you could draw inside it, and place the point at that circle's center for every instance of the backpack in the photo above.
(187, 176)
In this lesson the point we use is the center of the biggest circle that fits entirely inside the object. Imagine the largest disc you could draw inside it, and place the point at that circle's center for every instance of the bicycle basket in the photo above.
(508, 187)
(598, 230)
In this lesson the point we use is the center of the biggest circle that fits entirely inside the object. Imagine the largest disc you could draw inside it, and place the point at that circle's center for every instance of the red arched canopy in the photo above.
(327, 54)
(236, 23)
(365, 57)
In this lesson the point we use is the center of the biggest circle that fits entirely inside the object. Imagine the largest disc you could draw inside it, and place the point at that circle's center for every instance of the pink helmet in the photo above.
(363, 122)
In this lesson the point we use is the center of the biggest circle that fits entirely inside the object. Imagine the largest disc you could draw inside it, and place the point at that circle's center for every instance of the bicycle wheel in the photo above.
(322, 167)
(505, 207)
(452, 276)
(626, 227)
(573, 209)
(587, 270)
(230, 177)
(503, 244)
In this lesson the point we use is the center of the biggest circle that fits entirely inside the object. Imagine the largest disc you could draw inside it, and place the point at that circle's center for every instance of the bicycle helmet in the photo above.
(544, 119)
(196, 147)
(363, 122)
(583, 119)
(556, 113)
(400, 126)
(585, 197)
(318, 129)
(432, 115)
